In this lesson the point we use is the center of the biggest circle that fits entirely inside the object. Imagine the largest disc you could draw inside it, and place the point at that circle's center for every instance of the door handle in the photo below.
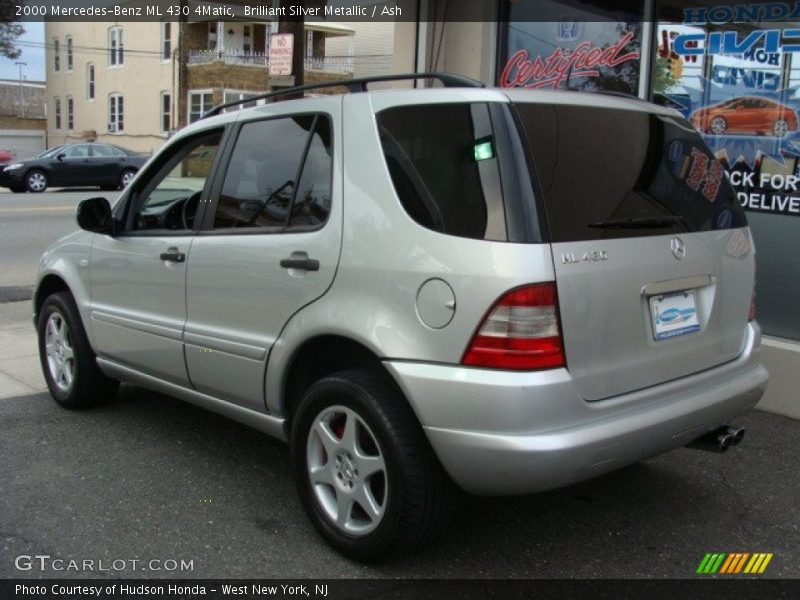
(173, 255)
(300, 260)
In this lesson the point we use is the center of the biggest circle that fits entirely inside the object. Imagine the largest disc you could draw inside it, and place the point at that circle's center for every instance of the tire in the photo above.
(780, 128)
(359, 420)
(126, 177)
(68, 361)
(718, 125)
(36, 181)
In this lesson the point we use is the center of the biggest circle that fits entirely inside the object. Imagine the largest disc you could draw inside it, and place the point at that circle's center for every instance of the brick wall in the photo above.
(8, 122)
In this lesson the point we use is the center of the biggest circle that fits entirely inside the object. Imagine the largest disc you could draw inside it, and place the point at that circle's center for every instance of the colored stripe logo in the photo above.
(734, 563)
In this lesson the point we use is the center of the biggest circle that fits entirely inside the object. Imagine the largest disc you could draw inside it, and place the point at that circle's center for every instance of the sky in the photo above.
(32, 45)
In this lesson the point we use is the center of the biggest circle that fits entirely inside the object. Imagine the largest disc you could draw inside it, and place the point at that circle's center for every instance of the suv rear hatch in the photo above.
(653, 259)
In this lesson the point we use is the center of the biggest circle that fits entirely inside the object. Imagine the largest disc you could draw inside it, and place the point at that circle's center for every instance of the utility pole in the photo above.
(21, 64)
(295, 26)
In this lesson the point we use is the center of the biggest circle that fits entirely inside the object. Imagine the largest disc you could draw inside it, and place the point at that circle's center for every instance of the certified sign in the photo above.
(281, 47)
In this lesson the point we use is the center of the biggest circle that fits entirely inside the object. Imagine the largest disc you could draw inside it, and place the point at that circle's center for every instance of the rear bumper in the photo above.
(500, 432)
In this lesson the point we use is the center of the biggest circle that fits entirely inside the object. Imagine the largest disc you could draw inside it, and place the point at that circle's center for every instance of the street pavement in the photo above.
(29, 223)
(148, 477)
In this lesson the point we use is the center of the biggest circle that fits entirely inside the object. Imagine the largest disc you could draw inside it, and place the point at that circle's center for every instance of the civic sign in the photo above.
(281, 49)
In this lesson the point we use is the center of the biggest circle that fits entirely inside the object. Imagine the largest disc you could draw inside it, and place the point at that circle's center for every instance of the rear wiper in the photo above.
(640, 223)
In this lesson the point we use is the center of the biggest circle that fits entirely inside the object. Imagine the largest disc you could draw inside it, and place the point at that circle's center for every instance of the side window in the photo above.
(261, 184)
(77, 151)
(172, 195)
(312, 201)
(444, 163)
(105, 151)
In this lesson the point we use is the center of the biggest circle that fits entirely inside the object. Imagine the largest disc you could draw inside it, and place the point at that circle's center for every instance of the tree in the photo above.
(10, 30)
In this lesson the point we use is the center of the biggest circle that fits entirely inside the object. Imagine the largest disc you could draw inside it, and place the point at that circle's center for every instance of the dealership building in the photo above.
(733, 70)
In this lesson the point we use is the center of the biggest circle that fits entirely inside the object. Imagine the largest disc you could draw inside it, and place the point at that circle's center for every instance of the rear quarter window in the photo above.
(443, 160)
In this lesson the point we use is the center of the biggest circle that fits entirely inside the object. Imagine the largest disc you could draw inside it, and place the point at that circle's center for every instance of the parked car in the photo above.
(747, 114)
(90, 164)
(421, 288)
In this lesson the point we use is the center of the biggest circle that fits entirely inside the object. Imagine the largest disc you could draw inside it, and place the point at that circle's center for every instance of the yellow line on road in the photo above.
(36, 208)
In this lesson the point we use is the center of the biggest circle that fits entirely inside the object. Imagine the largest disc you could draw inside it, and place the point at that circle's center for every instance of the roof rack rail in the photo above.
(354, 85)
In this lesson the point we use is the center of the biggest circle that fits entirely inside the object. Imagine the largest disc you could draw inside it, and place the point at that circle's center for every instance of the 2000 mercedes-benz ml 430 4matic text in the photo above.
(505, 290)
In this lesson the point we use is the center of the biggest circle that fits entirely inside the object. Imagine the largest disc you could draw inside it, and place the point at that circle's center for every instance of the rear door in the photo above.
(269, 246)
(653, 259)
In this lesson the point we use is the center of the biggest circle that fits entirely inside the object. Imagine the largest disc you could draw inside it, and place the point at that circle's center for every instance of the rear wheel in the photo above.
(126, 177)
(780, 128)
(366, 474)
(68, 361)
(36, 181)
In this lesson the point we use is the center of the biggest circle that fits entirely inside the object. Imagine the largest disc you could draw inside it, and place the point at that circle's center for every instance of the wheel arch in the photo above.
(320, 356)
(51, 283)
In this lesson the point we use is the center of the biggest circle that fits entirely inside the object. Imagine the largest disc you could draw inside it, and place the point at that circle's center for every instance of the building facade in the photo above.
(134, 83)
(23, 125)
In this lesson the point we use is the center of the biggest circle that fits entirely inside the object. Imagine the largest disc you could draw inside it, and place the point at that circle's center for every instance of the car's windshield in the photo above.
(51, 151)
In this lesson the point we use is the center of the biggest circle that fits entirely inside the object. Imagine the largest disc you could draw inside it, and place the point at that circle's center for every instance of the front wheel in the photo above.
(366, 474)
(68, 361)
(36, 181)
(718, 125)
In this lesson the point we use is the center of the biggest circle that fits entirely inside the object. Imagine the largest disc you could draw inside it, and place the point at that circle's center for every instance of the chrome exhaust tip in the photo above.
(719, 439)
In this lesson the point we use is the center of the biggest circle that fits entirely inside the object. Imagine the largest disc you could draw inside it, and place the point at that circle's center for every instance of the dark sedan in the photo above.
(89, 164)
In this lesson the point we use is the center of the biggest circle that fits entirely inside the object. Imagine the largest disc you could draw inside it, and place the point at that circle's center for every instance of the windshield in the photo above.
(611, 173)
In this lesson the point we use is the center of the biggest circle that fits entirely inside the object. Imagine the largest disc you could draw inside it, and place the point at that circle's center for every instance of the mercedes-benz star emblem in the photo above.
(677, 247)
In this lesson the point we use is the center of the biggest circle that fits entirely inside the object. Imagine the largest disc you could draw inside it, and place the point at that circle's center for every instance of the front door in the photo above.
(138, 277)
(71, 166)
(269, 246)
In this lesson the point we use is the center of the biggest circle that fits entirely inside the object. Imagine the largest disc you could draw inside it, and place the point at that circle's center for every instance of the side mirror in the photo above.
(61, 156)
(95, 215)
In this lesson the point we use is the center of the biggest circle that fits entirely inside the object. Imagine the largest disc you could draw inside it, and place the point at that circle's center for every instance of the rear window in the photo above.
(609, 173)
(444, 163)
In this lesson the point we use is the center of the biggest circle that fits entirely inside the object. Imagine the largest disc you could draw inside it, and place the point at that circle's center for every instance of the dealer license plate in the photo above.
(674, 314)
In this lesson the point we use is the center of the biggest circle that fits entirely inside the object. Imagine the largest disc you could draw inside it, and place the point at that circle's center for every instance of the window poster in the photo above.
(737, 82)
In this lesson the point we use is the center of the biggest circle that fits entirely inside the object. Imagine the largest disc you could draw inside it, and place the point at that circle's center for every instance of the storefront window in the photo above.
(560, 44)
(734, 72)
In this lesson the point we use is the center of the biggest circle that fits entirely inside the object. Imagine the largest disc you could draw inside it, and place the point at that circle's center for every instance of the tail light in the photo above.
(521, 332)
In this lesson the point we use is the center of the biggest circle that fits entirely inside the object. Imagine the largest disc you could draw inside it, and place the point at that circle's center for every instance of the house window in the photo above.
(115, 51)
(199, 104)
(233, 96)
(212, 35)
(116, 121)
(247, 44)
(166, 112)
(69, 53)
(57, 111)
(90, 81)
(56, 55)
(166, 41)
(70, 113)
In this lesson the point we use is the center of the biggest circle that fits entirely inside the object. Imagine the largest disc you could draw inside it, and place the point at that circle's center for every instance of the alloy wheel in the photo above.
(347, 470)
(59, 351)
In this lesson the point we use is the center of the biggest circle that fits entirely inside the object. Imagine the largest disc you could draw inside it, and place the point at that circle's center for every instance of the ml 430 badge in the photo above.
(571, 258)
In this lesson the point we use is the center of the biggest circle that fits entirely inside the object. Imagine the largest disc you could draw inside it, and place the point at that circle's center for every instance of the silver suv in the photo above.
(505, 290)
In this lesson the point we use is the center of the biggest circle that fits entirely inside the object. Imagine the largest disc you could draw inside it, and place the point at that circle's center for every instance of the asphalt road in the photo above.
(148, 477)
(29, 223)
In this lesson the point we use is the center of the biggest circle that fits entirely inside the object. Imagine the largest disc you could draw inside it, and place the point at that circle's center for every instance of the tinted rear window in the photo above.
(609, 173)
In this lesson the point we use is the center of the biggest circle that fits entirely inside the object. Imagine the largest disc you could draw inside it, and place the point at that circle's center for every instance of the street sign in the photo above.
(281, 48)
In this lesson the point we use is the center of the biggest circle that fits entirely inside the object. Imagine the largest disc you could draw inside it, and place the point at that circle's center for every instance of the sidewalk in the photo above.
(20, 373)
